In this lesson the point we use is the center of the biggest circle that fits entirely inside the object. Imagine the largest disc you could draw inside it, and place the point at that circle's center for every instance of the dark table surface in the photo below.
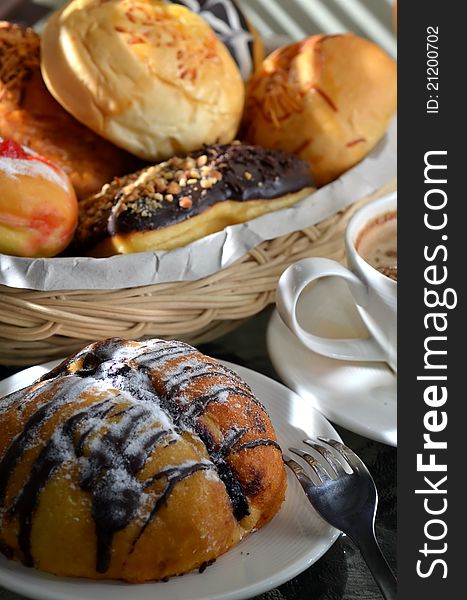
(341, 572)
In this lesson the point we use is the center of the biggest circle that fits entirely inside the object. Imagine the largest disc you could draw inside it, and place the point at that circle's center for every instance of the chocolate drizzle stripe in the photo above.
(218, 456)
(108, 466)
(256, 443)
(230, 440)
(238, 499)
(28, 500)
(198, 406)
(173, 390)
(160, 356)
(88, 432)
(35, 421)
(174, 475)
(216, 369)
(49, 459)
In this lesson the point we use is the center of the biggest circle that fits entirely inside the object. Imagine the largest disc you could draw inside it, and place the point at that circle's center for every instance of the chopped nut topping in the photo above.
(169, 192)
(185, 202)
(174, 188)
(160, 185)
(185, 182)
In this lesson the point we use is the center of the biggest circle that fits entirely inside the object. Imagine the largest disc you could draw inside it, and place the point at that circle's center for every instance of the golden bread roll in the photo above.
(328, 99)
(31, 116)
(134, 461)
(176, 202)
(233, 29)
(149, 76)
(38, 207)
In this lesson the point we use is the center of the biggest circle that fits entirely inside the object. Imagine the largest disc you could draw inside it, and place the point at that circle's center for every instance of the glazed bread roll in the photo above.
(327, 99)
(134, 461)
(30, 116)
(149, 76)
(38, 207)
(183, 199)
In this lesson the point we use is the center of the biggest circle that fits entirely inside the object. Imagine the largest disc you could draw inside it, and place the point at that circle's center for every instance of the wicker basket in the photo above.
(37, 326)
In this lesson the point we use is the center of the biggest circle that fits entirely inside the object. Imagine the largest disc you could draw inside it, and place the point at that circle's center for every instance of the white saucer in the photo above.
(289, 544)
(360, 396)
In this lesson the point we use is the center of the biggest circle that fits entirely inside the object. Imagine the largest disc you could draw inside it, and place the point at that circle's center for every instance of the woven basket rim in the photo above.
(36, 326)
(98, 268)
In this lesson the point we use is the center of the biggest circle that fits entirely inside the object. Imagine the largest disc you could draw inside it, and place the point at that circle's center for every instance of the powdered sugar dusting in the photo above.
(115, 403)
(211, 475)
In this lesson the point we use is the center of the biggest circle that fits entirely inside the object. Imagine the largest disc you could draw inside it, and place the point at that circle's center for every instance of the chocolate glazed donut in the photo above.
(136, 432)
(180, 200)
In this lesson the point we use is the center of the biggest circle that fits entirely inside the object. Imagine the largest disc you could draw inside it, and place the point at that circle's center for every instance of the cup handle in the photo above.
(290, 287)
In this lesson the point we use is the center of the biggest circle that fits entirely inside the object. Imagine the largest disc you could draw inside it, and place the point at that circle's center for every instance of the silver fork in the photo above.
(347, 501)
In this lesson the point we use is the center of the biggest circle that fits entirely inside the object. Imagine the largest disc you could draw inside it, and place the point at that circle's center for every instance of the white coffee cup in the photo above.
(375, 295)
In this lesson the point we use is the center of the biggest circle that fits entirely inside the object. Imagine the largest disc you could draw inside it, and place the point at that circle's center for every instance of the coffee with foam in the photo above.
(377, 244)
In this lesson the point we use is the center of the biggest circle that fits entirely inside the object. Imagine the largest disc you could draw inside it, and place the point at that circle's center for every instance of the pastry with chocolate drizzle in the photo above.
(134, 461)
(180, 200)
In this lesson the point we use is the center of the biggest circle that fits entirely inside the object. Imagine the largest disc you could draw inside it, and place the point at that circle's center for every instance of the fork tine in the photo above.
(335, 464)
(317, 467)
(353, 460)
(298, 472)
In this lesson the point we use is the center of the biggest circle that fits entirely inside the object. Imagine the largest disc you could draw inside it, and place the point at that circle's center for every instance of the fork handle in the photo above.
(378, 566)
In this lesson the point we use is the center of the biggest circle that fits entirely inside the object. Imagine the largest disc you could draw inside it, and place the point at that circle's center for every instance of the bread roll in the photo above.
(134, 461)
(327, 99)
(30, 116)
(149, 76)
(38, 207)
(183, 199)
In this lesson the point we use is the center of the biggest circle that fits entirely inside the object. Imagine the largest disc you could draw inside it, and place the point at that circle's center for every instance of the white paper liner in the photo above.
(212, 253)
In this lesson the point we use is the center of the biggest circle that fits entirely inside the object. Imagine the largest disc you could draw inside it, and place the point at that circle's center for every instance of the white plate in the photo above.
(360, 396)
(289, 544)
